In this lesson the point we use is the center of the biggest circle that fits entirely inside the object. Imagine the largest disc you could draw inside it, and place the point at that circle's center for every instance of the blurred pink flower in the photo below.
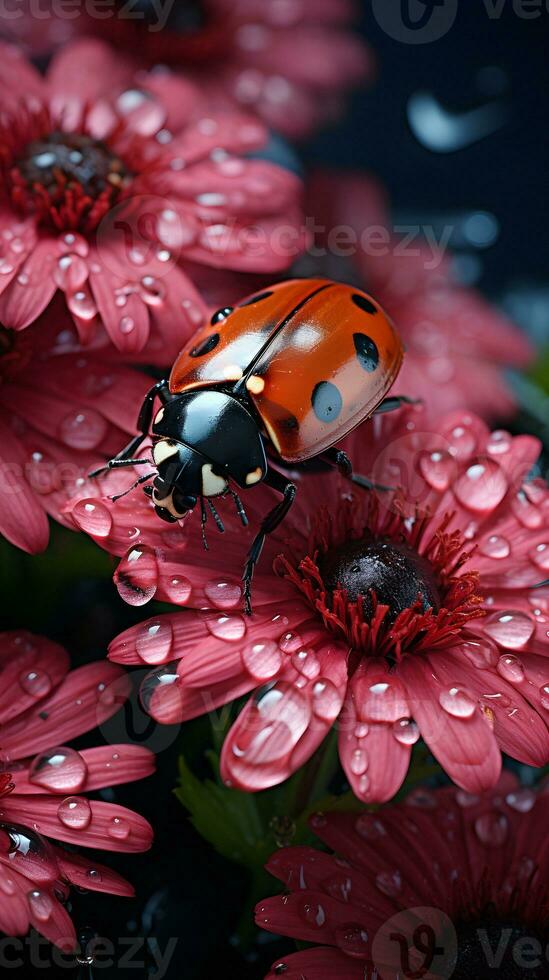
(43, 705)
(110, 180)
(62, 411)
(290, 61)
(426, 888)
(457, 343)
(441, 632)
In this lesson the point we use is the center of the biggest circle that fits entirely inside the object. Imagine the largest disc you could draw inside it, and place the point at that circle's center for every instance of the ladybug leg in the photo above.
(268, 525)
(124, 457)
(392, 403)
(142, 479)
(336, 457)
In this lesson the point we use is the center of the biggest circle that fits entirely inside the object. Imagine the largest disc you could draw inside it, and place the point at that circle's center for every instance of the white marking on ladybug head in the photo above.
(255, 384)
(159, 417)
(254, 476)
(232, 372)
(163, 449)
(212, 484)
(167, 503)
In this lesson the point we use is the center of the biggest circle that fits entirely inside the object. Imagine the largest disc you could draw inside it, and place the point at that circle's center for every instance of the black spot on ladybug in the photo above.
(290, 423)
(256, 299)
(364, 303)
(327, 401)
(221, 315)
(366, 351)
(206, 346)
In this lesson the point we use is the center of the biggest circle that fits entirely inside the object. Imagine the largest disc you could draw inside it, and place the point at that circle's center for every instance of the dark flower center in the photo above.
(67, 180)
(395, 572)
(509, 950)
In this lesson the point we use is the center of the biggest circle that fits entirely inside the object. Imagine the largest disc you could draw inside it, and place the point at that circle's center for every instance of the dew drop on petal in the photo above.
(306, 663)
(75, 812)
(82, 304)
(94, 875)
(389, 883)
(314, 914)
(353, 940)
(160, 684)
(511, 630)
(93, 517)
(154, 642)
(326, 700)
(290, 642)
(491, 829)
(274, 725)
(370, 827)
(60, 770)
(539, 555)
(118, 828)
(406, 731)
(462, 440)
(359, 762)
(262, 659)
(83, 429)
(177, 589)
(126, 325)
(223, 594)
(499, 443)
(437, 469)
(7, 884)
(136, 577)
(457, 702)
(482, 653)
(41, 905)
(495, 546)
(511, 669)
(544, 694)
(229, 628)
(521, 800)
(482, 486)
(37, 683)
(526, 512)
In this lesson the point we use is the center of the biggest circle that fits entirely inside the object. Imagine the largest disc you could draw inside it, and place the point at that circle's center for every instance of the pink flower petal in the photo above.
(318, 963)
(77, 820)
(88, 874)
(31, 667)
(22, 520)
(30, 292)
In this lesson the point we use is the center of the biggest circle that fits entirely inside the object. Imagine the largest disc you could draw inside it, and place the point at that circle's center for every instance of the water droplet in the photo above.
(152, 291)
(511, 669)
(37, 683)
(314, 914)
(491, 829)
(229, 628)
(136, 577)
(495, 546)
(278, 718)
(526, 512)
(262, 659)
(127, 325)
(406, 731)
(177, 589)
(482, 653)
(118, 828)
(462, 440)
(389, 883)
(159, 685)
(353, 940)
(40, 904)
(7, 884)
(437, 469)
(75, 812)
(359, 762)
(466, 800)
(338, 886)
(539, 555)
(223, 594)
(83, 429)
(60, 770)
(544, 693)
(521, 800)
(306, 663)
(326, 700)
(370, 827)
(290, 642)
(457, 703)
(82, 304)
(511, 630)
(499, 443)
(154, 642)
(94, 875)
(93, 517)
(482, 487)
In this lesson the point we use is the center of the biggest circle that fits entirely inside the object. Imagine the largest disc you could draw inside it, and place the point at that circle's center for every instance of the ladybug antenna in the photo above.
(216, 517)
(203, 520)
(142, 479)
(239, 508)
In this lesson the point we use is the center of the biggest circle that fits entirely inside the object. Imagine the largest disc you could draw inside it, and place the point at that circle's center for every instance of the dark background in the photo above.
(184, 889)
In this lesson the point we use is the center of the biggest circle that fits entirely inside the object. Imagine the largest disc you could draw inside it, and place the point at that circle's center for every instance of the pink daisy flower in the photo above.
(61, 412)
(457, 343)
(444, 884)
(109, 181)
(413, 614)
(290, 61)
(44, 785)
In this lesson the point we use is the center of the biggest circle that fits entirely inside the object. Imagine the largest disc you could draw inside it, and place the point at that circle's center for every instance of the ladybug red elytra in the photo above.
(283, 376)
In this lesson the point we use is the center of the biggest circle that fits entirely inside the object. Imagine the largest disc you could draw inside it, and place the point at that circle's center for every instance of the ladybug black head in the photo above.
(184, 475)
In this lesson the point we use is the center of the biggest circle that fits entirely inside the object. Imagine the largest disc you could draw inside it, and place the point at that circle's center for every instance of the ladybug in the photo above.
(279, 378)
